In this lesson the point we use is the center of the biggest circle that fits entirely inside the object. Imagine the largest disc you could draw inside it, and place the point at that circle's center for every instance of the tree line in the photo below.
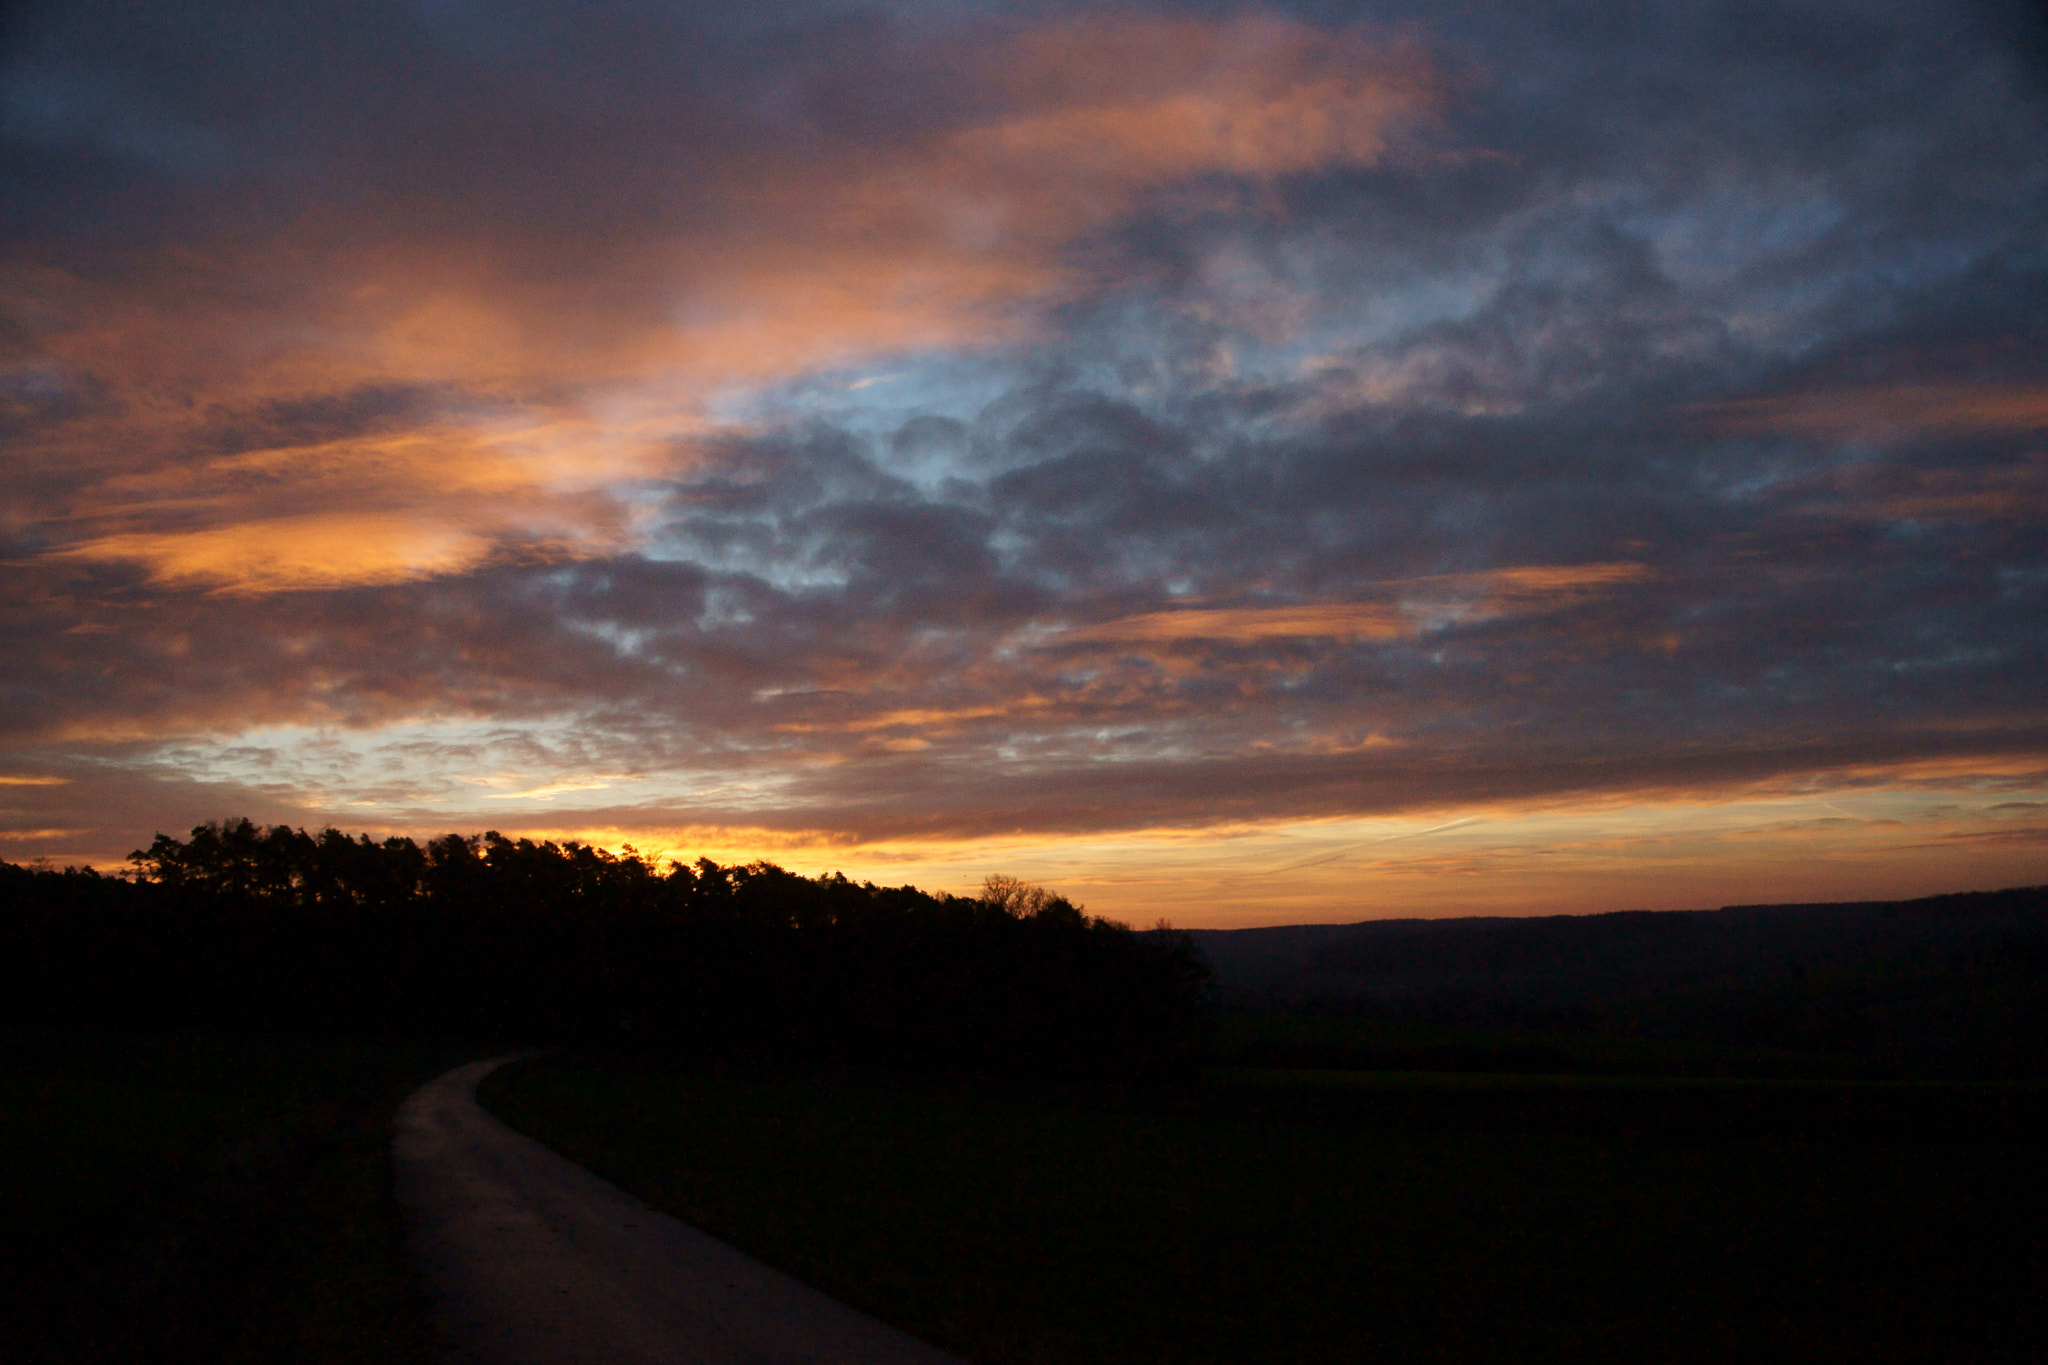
(513, 940)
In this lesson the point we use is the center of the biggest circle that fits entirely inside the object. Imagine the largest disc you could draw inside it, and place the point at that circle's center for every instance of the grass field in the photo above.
(203, 1197)
(1311, 1217)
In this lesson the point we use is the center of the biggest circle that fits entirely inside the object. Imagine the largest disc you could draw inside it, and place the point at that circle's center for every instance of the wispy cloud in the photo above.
(1889, 411)
(1416, 604)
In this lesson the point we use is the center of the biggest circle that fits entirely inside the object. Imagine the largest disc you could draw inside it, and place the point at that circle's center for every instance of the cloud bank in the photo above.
(1122, 438)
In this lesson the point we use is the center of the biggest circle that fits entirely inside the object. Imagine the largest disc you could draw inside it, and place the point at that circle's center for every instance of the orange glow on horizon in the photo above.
(1864, 832)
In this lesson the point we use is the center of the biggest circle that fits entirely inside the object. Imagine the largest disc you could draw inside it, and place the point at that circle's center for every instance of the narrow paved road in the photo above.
(535, 1261)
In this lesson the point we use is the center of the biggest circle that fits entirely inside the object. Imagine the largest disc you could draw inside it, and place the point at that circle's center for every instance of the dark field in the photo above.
(1628, 1138)
(203, 1197)
(1944, 987)
(1270, 1041)
(1319, 1216)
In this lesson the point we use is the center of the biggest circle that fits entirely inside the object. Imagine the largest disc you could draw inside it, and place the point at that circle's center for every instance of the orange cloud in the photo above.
(1513, 591)
(2012, 491)
(956, 234)
(1145, 101)
(1879, 413)
(1419, 602)
(600, 366)
(1249, 625)
(291, 553)
(1536, 581)
(437, 495)
(937, 719)
(940, 242)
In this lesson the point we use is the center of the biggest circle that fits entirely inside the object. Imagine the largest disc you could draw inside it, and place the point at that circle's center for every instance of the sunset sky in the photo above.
(1245, 464)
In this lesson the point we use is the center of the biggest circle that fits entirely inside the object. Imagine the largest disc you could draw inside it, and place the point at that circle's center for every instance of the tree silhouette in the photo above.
(486, 935)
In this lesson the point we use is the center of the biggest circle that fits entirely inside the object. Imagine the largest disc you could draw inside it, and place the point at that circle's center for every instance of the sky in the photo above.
(1240, 464)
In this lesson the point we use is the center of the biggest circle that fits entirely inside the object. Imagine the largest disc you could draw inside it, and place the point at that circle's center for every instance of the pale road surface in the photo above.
(533, 1260)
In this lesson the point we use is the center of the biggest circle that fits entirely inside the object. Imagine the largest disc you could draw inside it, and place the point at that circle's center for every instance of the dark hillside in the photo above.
(1948, 984)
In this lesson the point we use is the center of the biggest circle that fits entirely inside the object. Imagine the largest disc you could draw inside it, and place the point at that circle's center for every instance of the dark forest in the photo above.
(514, 941)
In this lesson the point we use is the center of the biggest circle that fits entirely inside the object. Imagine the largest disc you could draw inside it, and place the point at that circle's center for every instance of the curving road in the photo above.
(535, 1261)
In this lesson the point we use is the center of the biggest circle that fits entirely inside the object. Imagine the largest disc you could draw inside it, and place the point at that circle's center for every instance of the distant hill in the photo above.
(1949, 984)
